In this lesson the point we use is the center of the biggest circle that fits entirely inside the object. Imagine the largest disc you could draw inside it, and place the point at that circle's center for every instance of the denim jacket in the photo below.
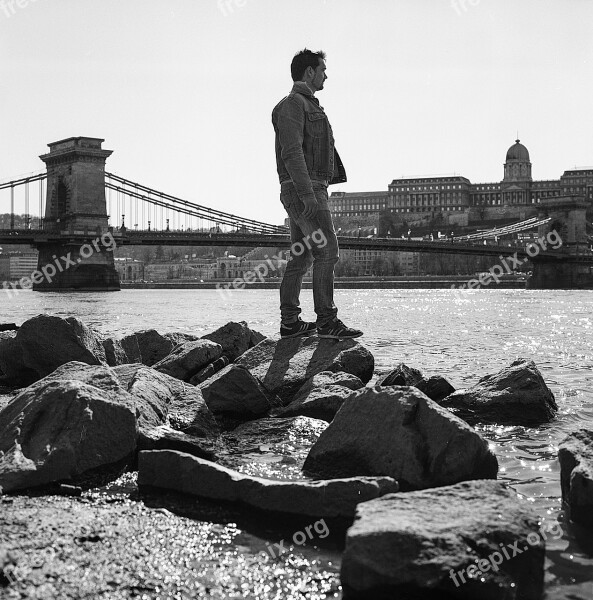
(305, 142)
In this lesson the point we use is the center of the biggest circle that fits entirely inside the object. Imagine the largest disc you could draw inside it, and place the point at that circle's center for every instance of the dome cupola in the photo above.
(517, 166)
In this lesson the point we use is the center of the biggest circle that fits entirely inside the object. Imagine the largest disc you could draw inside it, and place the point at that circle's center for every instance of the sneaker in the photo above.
(297, 329)
(338, 331)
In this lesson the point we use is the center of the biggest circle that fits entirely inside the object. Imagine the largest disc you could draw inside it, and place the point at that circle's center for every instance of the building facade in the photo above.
(453, 193)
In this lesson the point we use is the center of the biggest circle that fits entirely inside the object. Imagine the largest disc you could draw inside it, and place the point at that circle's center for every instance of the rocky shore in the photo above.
(237, 466)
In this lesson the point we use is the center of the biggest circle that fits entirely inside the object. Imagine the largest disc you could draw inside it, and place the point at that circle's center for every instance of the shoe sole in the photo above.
(299, 334)
(339, 337)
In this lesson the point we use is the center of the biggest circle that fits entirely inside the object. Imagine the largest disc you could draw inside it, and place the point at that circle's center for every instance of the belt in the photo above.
(325, 182)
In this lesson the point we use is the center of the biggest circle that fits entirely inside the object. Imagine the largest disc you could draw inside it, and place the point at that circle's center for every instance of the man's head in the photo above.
(309, 67)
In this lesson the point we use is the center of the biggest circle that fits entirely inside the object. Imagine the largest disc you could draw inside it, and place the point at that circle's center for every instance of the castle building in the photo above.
(454, 193)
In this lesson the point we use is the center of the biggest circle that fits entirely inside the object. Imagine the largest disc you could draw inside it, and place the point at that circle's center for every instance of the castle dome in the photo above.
(518, 152)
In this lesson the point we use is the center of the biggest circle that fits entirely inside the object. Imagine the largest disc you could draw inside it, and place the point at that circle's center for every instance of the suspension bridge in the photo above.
(76, 201)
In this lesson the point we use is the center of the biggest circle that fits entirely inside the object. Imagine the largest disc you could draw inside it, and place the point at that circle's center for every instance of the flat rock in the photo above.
(319, 403)
(58, 430)
(235, 338)
(191, 475)
(45, 342)
(399, 432)
(473, 540)
(284, 366)
(576, 475)
(234, 390)
(167, 438)
(188, 358)
(401, 375)
(516, 395)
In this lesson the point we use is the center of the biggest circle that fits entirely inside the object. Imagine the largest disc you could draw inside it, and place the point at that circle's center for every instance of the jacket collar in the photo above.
(300, 87)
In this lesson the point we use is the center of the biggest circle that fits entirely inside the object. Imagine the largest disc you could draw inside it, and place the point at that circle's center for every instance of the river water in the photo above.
(459, 334)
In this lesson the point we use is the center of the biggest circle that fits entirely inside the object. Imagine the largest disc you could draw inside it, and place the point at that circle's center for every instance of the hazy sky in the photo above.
(182, 90)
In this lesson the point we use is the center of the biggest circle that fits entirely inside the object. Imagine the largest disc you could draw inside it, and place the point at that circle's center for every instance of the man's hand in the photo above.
(310, 209)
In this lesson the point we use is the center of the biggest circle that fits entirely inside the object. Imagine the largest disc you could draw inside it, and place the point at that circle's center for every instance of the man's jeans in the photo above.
(313, 241)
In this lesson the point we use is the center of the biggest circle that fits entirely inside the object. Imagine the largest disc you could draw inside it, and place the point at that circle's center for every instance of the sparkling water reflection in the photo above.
(460, 334)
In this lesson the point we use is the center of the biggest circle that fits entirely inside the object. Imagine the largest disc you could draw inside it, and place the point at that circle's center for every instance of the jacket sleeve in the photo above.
(291, 125)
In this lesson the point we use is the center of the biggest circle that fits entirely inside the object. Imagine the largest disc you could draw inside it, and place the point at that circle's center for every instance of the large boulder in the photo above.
(235, 339)
(209, 370)
(470, 540)
(399, 432)
(318, 403)
(284, 366)
(45, 342)
(576, 475)
(234, 390)
(188, 358)
(516, 395)
(192, 475)
(58, 430)
(162, 399)
(167, 438)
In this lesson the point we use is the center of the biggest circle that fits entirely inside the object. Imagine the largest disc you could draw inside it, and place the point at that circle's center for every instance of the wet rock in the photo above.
(516, 395)
(284, 366)
(167, 438)
(187, 359)
(57, 430)
(209, 371)
(43, 343)
(435, 387)
(399, 432)
(318, 403)
(235, 339)
(272, 448)
(401, 375)
(469, 540)
(576, 475)
(165, 400)
(234, 390)
(189, 474)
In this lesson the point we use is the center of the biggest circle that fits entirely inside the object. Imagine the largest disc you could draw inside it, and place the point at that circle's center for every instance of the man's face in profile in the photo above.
(320, 76)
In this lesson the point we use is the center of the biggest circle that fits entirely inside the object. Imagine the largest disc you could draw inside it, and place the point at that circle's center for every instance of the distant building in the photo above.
(4, 267)
(454, 193)
(129, 269)
(22, 265)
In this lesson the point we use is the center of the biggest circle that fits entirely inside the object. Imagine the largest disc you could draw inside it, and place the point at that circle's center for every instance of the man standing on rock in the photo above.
(307, 163)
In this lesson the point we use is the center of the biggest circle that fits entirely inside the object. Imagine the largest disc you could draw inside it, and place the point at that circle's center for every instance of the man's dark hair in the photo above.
(303, 59)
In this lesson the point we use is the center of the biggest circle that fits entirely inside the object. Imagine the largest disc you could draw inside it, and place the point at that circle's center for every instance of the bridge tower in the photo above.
(76, 234)
(569, 221)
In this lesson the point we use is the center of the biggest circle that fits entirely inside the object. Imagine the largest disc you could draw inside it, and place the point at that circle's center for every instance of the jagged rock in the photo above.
(256, 338)
(235, 338)
(114, 352)
(43, 343)
(318, 403)
(283, 366)
(165, 399)
(179, 337)
(152, 346)
(187, 359)
(398, 431)
(191, 475)
(515, 395)
(155, 398)
(130, 346)
(435, 387)
(331, 378)
(210, 370)
(401, 375)
(236, 391)
(166, 438)
(58, 430)
(576, 475)
(421, 544)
